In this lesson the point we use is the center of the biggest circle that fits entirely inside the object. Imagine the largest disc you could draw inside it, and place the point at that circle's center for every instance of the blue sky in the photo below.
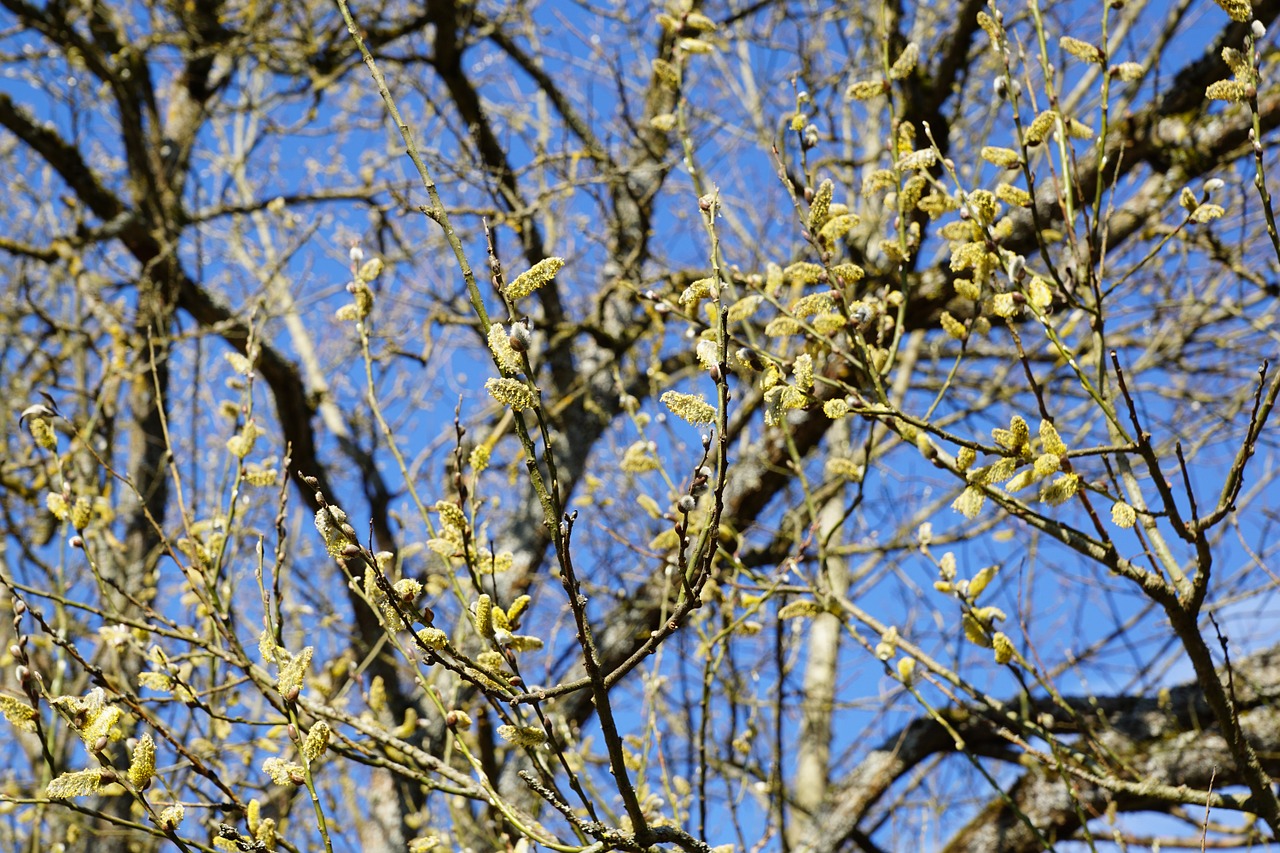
(1067, 606)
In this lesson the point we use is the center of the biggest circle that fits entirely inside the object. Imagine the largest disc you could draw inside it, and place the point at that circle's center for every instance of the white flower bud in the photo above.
(520, 337)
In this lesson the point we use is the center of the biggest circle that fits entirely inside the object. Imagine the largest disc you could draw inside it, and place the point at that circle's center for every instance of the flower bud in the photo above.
(43, 434)
(520, 337)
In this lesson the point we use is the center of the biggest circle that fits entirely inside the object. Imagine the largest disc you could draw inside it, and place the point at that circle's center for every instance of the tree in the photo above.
(759, 425)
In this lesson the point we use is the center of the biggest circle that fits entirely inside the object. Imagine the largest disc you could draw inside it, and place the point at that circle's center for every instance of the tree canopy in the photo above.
(581, 426)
